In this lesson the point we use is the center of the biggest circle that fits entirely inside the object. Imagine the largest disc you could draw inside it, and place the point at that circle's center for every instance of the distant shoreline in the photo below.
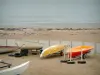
(50, 28)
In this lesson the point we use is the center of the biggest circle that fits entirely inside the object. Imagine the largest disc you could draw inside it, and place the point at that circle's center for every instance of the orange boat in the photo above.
(76, 51)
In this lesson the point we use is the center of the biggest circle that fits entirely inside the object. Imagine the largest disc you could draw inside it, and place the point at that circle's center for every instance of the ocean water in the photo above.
(49, 13)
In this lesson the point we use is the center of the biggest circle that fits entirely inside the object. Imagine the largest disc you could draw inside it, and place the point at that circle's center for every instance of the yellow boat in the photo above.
(51, 50)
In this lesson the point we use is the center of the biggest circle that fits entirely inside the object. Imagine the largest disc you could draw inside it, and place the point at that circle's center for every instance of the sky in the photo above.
(46, 13)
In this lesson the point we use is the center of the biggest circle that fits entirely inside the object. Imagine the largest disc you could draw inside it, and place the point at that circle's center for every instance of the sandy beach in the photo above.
(58, 29)
(87, 35)
(52, 65)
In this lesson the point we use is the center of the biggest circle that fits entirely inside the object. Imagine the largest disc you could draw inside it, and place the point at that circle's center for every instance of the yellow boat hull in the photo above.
(51, 50)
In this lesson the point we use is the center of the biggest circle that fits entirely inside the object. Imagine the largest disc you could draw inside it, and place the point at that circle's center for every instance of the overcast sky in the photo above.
(16, 13)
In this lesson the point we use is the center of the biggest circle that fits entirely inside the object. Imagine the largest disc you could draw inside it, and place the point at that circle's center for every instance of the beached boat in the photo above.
(76, 51)
(17, 70)
(14, 48)
(51, 50)
(7, 48)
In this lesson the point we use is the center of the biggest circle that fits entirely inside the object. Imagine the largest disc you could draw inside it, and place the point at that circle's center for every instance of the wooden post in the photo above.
(60, 42)
(95, 51)
(49, 42)
(70, 52)
(71, 45)
(82, 43)
(6, 37)
(38, 41)
(6, 42)
(65, 52)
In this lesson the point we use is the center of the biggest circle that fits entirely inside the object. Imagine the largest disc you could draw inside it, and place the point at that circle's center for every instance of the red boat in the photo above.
(76, 51)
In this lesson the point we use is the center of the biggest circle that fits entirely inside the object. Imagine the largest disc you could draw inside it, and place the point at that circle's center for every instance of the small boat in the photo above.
(7, 48)
(76, 51)
(4, 49)
(51, 50)
(17, 70)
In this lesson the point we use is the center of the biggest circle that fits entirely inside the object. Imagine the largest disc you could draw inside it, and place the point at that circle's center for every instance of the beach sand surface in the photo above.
(44, 34)
(53, 66)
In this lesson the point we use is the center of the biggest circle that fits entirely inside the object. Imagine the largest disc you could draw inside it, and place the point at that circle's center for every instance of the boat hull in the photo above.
(7, 48)
(76, 51)
(51, 50)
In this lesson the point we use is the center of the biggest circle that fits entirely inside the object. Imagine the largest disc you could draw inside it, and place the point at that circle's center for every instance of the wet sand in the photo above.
(52, 65)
